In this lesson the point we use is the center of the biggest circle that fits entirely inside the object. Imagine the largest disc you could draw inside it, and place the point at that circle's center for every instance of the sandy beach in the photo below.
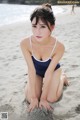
(13, 70)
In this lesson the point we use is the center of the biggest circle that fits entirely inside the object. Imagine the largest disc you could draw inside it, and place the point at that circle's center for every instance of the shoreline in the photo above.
(13, 69)
(63, 9)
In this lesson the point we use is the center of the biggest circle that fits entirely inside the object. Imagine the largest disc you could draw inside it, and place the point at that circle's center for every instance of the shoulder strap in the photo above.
(31, 44)
(53, 48)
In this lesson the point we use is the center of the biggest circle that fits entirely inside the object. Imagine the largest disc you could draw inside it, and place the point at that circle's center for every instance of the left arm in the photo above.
(48, 75)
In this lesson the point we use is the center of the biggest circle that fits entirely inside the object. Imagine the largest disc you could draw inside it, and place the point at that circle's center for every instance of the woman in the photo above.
(42, 53)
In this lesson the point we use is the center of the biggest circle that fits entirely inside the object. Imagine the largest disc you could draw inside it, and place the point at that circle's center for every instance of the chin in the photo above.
(39, 39)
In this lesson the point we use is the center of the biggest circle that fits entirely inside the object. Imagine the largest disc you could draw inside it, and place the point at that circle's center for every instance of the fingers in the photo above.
(32, 107)
(50, 108)
(46, 106)
(40, 106)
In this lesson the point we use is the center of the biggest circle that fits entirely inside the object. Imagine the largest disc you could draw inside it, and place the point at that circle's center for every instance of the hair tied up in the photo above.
(47, 5)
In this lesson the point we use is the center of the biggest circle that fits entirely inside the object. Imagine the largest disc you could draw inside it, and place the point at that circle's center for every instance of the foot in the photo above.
(64, 77)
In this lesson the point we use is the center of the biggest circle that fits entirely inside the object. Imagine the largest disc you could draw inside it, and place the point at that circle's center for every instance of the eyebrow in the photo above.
(42, 24)
(33, 24)
(39, 24)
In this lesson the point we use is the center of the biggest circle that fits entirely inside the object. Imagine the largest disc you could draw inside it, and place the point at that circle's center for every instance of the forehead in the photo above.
(39, 21)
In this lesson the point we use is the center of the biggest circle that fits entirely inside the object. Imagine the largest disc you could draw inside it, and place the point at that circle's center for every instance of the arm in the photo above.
(27, 55)
(49, 73)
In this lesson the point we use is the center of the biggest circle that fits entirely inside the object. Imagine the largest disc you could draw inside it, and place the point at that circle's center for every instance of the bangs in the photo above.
(43, 20)
(43, 14)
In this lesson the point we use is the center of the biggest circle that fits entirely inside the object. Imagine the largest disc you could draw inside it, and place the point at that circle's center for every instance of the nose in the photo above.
(38, 31)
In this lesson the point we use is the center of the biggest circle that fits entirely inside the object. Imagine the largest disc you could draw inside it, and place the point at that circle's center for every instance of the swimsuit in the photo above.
(41, 66)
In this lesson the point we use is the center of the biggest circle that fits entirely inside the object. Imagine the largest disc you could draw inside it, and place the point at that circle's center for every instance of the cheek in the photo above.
(33, 30)
(47, 32)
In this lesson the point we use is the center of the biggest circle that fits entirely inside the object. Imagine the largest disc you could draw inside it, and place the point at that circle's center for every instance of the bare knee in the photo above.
(54, 99)
(59, 95)
(51, 100)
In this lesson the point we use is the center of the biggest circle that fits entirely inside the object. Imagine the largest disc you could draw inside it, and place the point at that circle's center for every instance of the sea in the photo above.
(12, 13)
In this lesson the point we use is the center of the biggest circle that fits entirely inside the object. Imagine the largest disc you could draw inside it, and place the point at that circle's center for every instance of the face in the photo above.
(41, 30)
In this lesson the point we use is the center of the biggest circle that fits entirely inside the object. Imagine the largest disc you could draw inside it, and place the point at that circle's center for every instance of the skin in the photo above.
(41, 91)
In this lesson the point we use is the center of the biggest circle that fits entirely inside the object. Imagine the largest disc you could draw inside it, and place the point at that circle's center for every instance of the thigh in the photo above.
(39, 82)
(53, 88)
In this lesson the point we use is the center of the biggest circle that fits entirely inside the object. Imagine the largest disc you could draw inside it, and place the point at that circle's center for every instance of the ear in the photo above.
(52, 27)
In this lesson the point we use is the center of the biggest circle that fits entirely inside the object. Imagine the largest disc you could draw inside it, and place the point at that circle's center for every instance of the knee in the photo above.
(58, 95)
(52, 100)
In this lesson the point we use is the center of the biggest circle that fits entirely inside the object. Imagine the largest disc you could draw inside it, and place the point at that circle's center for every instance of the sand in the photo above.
(13, 69)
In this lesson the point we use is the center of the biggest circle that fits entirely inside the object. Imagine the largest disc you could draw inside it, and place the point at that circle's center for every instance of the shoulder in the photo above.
(25, 43)
(60, 48)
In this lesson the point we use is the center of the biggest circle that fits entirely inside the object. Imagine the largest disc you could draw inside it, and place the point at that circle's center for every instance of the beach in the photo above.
(14, 71)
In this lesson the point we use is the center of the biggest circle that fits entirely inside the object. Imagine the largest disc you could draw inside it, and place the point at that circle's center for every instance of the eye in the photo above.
(34, 26)
(43, 26)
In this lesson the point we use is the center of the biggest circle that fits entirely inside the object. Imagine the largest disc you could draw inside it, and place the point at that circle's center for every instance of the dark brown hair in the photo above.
(44, 13)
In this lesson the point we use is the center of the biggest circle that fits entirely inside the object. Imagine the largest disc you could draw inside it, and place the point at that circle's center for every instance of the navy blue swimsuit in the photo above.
(41, 66)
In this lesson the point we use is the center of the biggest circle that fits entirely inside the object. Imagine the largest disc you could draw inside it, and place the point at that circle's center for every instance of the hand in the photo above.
(45, 104)
(33, 104)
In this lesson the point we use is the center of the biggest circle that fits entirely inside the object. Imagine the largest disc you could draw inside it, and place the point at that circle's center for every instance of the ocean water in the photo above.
(11, 13)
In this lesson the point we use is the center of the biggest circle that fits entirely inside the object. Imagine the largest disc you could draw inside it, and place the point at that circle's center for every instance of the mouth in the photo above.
(38, 36)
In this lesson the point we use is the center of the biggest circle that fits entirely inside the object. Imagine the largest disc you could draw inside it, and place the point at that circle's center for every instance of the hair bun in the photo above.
(47, 5)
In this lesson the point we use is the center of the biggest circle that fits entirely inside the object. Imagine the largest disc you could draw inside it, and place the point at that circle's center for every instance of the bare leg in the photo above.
(56, 87)
(63, 81)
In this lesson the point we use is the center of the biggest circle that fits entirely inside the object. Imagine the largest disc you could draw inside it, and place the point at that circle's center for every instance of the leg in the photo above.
(56, 86)
(38, 88)
(63, 81)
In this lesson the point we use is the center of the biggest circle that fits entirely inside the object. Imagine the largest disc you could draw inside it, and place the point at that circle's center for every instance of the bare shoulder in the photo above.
(60, 46)
(25, 43)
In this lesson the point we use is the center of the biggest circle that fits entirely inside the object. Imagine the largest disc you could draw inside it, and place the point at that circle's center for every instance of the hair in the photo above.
(44, 13)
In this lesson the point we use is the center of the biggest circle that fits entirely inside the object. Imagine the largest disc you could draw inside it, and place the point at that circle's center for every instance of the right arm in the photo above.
(31, 70)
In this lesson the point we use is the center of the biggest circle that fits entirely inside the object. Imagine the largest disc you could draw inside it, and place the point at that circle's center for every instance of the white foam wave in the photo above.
(11, 13)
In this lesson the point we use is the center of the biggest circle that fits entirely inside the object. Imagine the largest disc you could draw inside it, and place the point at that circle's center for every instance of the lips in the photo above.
(38, 36)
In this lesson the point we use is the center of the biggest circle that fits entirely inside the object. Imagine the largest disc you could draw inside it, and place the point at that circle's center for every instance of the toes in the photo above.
(64, 77)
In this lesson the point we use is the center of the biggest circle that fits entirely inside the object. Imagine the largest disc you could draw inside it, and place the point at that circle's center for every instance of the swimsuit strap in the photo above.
(53, 48)
(31, 45)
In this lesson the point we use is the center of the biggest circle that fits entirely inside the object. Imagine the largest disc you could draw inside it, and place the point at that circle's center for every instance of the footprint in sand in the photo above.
(77, 109)
(6, 108)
